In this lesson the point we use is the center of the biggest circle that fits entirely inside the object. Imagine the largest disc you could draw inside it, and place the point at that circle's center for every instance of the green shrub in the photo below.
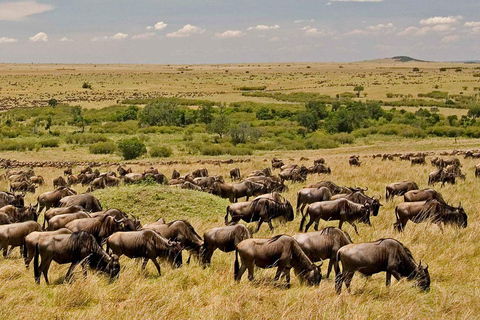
(160, 152)
(343, 138)
(49, 143)
(132, 148)
(107, 147)
(85, 138)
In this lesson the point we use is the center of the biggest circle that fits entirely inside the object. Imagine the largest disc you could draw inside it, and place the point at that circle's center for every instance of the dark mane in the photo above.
(189, 226)
(407, 251)
(79, 240)
(275, 238)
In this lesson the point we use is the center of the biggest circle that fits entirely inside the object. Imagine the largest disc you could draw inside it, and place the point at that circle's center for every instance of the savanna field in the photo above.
(191, 291)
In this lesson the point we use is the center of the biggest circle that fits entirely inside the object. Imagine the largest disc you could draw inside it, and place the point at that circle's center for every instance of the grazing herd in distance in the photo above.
(75, 227)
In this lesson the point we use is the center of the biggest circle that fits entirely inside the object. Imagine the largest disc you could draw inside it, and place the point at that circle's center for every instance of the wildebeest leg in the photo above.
(302, 222)
(68, 276)
(250, 272)
(348, 280)
(270, 224)
(340, 224)
(388, 279)
(338, 283)
(309, 224)
(155, 262)
(316, 225)
(439, 224)
(259, 225)
(207, 258)
(241, 271)
(330, 265)
(287, 276)
(354, 226)
(279, 272)
(44, 268)
(144, 264)
(395, 273)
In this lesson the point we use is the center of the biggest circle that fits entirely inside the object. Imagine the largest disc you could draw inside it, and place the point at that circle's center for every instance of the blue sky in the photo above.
(214, 31)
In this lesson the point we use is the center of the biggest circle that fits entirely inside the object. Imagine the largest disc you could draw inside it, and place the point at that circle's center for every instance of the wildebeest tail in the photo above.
(236, 266)
(36, 270)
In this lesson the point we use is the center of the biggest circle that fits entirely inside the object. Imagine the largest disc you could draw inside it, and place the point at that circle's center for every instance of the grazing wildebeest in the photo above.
(441, 176)
(354, 161)
(310, 195)
(16, 214)
(78, 247)
(175, 174)
(280, 251)
(334, 188)
(61, 220)
(32, 239)
(324, 244)
(52, 198)
(422, 195)
(87, 169)
(86, 200)
(418, 160)
(261, 209)
(237, 190)
(181, 231)
(59, 182)
(67, 172)
(387, 255)
(38, 180)
(97, 183)
(277, 163)
(340, 209)
(200, 173)
(224, 238)
(319, 168)
(145, 244)
(14, 234)
(235, 174)
(430, 210)
(101, 227)
(399, 189)
(122, 171)
(294, 173)
(52, 212)
(319, 161)
(7, 198)
(360, 198)
(23, 186)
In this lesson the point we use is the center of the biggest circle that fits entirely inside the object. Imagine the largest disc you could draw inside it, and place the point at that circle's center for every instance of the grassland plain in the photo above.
(193, 292)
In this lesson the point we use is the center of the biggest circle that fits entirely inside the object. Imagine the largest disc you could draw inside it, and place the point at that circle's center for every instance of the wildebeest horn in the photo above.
(420, 263)
(120, 221)
(321, 263)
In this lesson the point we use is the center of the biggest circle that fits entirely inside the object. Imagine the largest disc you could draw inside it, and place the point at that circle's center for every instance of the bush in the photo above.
(160, 152)
(49, 143)
(131, 148)
(107, 147)
(86, 85)
(85, 138)
(343, 138)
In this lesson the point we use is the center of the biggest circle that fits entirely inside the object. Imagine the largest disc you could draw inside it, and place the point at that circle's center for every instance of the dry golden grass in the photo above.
(194, 292)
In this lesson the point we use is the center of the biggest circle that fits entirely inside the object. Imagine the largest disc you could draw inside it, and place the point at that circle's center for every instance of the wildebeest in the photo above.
(430, 210)
(334, 188)
(7, 198)
(224, 238)
(181, 231)
(262, 209)
(32, 239)
(340, 209)
(122, 171)
(235, 174)
(387, 255)
(319, 168)
(13, 234)
(86, 200)
(441, 175)
(422, 195)
(101, 227)
(175, 174)
(417, 160)
(307, 196)
(75, 248)
(145, 244)
(237, 190)
(52, 212)
(203, 172)
(277, 163)
(68, 171)
(16, 214)
(280, 251)
(52, 198)
(4, 219)
(38, 180)
(360, 198)
(61, 220)
(354, 161)
(23, 186)
(294, 173)
(59, 182)
(399, 189)
(324, 244)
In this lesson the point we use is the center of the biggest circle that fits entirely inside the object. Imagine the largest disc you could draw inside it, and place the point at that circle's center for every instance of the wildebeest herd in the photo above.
(76, 229)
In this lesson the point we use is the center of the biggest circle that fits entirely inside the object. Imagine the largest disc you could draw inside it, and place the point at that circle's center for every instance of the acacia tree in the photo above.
(78, 116)
(358, 89)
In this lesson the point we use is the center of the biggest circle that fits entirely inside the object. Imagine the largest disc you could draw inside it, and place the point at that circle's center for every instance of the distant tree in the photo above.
(474, 112)
(358, 89)
(264, 114)
(86, 85)
(308, 120)
(243, 133)
(220, 125)
(48, 124)
(318, 108)
(452, 120)
(77, 113)
(52, 102)
(205, 114)
(131, 148)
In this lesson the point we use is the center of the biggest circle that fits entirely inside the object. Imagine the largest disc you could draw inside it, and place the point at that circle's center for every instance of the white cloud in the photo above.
(186, 31)
(65, 39)
(7, 40)
(119, 36)
(160, 25)
(300, 21)
(472, 24)
(374, 30)
(16, 11)
(104, 38)
(441, 20)
(355, 1)
(263, 27)
(143, 36)
(419, 32)
(449, 39)
(410, 31)
(476, 31)
(443, 28)
(229, 34)
(39, 37)
(314, 32)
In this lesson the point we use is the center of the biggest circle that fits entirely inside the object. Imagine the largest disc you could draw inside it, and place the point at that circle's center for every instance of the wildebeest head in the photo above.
(314, 276)
(175, 254)
(422, 277)
(289, 214)
(18, 200)
(375, 206)
(462, 216)
(130, 224)
(365, 214)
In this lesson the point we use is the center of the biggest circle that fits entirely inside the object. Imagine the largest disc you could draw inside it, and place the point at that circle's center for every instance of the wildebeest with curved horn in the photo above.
(235, 174)
(145, 244)
(262, 209)
(399, 189)
(237, 190)
(59, 182)
(423, 195)
(430, 210)
(75, 248)
(387, 255)
(52, 198)
(17, 214)
(324, 244)
(281, 251)
(340, 209)
(224, 238)
(101, 227)
(334, 188)
(14, 234)
(32, 239)
(86, 200)
(7, 198)
(360, 198)
(441, 175)
(181, 231)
